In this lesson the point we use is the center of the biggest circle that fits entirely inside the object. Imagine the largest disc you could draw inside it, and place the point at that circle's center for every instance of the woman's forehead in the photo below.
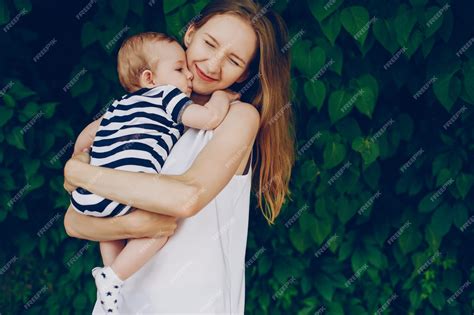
(232, 32)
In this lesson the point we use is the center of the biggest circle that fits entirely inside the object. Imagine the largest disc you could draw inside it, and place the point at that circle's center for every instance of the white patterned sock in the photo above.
(108, 288)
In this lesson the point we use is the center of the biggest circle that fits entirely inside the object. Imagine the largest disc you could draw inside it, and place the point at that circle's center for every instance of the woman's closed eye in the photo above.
(208, 43)
(232, 61)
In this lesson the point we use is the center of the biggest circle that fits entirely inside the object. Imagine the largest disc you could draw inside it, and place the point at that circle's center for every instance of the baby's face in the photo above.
(171, 67)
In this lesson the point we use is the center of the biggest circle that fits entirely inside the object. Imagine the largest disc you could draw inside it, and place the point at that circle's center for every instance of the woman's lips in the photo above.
(203, 76)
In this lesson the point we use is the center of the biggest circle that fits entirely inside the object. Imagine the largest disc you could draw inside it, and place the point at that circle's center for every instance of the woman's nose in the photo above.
(215, 63)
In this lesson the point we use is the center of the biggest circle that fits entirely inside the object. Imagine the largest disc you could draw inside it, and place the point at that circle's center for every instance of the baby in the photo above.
(137, 134)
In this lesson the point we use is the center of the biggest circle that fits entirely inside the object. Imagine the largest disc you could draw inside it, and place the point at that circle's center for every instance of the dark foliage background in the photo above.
(382, 204)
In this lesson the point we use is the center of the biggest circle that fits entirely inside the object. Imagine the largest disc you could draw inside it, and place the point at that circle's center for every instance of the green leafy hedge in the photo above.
(381, 213)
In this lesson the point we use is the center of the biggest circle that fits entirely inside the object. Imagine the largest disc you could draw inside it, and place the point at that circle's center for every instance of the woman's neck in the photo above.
(199, 98)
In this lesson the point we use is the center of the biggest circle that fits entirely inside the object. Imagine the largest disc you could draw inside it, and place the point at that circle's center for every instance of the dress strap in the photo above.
(249, 164)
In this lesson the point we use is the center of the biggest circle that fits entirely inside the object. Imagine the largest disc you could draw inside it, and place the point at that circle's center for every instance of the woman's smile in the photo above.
(203, 76)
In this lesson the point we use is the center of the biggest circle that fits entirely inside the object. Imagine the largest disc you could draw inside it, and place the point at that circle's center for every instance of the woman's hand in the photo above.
(149, 224)
(137, 224)
(82, 157)
(232, 96)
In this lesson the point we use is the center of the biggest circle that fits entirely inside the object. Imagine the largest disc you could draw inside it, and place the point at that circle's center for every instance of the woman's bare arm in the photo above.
(177, 195)
(137, 224)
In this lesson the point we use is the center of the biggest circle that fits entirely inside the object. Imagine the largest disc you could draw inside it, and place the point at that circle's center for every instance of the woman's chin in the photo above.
(202, 89)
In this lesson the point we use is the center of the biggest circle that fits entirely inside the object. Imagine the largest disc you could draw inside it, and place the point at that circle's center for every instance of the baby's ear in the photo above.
(146, 79)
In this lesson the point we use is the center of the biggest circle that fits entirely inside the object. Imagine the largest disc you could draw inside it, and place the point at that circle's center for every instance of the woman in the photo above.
(206, 179)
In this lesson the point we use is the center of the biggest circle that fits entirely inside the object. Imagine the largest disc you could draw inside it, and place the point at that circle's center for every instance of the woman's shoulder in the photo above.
(244, 112)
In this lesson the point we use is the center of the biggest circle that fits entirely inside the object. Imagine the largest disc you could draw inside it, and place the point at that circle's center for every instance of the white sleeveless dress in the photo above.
(201, 269)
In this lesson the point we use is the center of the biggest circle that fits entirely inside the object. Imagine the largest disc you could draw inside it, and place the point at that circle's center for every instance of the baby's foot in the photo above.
(108, 288)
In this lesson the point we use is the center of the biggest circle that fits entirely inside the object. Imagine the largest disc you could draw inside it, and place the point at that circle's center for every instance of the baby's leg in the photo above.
(110, 250)
(135, 255)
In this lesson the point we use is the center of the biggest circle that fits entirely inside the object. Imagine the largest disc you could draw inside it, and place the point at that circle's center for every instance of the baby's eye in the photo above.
(179, 69)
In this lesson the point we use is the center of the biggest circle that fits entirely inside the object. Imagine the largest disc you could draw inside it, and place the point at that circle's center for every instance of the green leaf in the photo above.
(15, 138)
(443, 176)
(300, 240)
(375, 256)
(49, 108)
(120, 7)
(31, 109)
(404, 23)
(428, 205)
(299, 54)
(460, 215)
(36, 181)
(80, 301)
(321, 230)
(365, 102)
(89, 34)
(464, 183)
(315, 93)
(367, 81)
(345, 212)
(447, 89)
(409, 240)
(354, 19)
(9, 101)
(4, 13)
(84, 84)
(23, 4)
(321, 9)
(367, 148)
(170, 5)
(19, 91)
(314, 61)
(384, 32)
(416, 38)
(432, 26)
(437, 299)
(348, 128)
(264, 264)
(345, 250)
(5, 115)
(334, 153)
(331, 27)
(441, 220)
(358, 259)
(30, 167)
(338, 105)
(325, 286)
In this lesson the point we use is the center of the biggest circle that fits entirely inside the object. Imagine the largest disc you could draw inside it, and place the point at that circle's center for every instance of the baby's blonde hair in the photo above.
(133, 58)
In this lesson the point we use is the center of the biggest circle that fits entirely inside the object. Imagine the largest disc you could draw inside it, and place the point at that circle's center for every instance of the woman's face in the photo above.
(219, 53)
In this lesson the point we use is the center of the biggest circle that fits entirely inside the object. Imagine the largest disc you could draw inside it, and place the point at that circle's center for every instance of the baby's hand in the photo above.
(228, 94)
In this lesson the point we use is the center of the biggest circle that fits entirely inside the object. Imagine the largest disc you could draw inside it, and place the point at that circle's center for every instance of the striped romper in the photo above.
(136, 134)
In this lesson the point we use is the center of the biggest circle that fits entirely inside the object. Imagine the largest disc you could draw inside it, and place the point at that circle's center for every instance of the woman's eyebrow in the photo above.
(232, 54)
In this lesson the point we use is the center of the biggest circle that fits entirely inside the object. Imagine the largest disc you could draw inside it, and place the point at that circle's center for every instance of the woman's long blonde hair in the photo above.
(270, 94)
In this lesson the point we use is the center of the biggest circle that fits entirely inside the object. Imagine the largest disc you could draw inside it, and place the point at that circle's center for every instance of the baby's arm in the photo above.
(86, 137)
(211, 114)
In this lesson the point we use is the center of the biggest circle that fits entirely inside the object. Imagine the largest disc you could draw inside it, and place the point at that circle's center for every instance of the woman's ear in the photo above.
(188, 36)
(146, 79)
